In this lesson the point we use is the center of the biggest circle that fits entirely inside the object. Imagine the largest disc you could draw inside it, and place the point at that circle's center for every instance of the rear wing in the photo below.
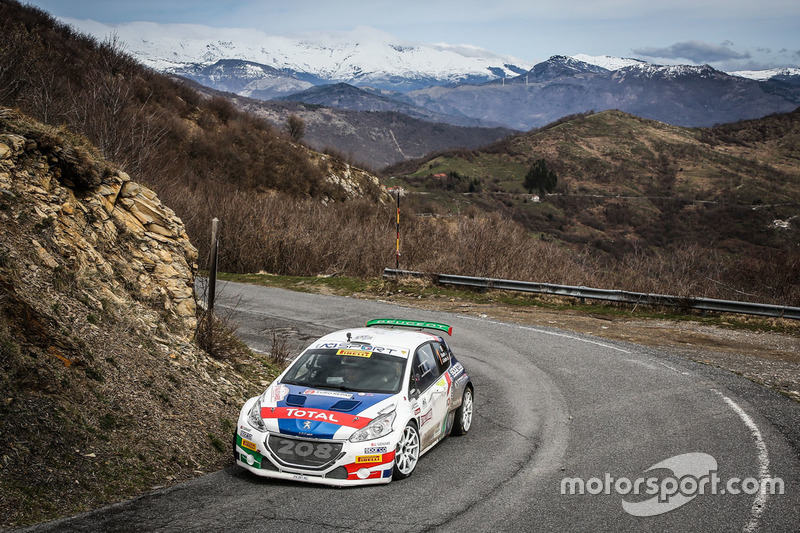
(410, 324)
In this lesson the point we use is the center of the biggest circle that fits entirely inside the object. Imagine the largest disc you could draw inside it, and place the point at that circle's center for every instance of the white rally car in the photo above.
(358, 406)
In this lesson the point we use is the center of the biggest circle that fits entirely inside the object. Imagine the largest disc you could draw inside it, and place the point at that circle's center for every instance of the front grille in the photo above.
(312, 454)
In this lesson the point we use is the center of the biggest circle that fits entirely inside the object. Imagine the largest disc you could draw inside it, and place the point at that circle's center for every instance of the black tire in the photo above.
(406, 454)
(463, 420)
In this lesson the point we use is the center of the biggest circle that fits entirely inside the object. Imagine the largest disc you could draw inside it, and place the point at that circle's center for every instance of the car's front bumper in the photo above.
(363, 463)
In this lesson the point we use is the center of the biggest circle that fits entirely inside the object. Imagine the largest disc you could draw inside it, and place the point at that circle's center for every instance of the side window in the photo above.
(425, 369)
(442, 357)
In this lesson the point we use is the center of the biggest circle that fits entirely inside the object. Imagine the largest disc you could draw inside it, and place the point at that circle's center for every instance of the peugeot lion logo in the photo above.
(307, 424)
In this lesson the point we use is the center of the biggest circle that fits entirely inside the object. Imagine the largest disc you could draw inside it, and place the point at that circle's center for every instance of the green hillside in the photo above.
(626, 182)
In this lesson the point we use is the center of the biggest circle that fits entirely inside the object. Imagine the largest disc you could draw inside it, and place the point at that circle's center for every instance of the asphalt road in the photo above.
(550, 405)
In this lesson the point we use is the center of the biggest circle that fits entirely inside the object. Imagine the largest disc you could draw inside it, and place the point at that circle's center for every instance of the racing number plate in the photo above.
(306, 453)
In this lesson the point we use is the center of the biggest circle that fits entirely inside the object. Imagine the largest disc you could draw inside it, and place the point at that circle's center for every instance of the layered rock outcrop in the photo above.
(95, 223)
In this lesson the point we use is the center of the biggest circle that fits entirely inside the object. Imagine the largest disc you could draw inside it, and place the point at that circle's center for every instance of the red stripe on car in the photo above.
(315, 415)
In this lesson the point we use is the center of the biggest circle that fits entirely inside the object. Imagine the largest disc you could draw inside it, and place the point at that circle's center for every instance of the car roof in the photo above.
(403, 339)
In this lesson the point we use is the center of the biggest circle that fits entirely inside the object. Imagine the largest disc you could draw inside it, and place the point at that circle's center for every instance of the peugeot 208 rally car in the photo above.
(358, 406)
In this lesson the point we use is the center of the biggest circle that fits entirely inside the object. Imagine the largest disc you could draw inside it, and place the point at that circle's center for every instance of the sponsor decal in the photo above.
(328, 345)
(456, 369)
(411, 323)
(369, 459)
(279, 392)
(427, 417)
(354, 468)
(359, 346)
(330, 394)
(449, 387)
(443, 356)
(460, 381)
(355, 353)
(442, 382)
(317, 415)
(375, 449)
(254, 458)
(246, 434)
(387, 443)
(416, 411)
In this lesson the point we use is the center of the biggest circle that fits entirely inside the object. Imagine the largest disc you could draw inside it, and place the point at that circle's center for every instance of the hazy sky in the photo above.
(728, 34)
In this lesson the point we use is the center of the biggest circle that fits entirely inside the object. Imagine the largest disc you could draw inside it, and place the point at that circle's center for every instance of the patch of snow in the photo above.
(608, 62)
(764, 75)
(357, 55)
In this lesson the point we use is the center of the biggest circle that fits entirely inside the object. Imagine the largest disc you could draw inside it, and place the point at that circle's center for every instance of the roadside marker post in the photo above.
(397, 255)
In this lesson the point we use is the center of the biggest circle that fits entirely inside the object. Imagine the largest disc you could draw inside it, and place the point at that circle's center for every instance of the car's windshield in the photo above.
(346, 369)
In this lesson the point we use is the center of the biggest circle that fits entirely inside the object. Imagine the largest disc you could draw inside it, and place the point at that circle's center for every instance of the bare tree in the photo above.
(15, 67)
(295, 127)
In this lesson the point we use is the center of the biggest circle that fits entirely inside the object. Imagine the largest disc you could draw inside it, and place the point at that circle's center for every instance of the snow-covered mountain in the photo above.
(271, 66)
(764, 75)
(629, 64)
(444, 83)
(363, 57)
(608, 62)
(680, 94)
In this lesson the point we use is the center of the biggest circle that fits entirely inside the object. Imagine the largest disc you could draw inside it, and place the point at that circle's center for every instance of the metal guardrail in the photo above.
(635, 298)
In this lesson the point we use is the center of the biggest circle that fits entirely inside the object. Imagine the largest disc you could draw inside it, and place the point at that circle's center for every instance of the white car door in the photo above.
(433, 399)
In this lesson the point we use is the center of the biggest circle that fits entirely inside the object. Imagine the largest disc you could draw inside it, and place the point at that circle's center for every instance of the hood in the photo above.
(319, 413)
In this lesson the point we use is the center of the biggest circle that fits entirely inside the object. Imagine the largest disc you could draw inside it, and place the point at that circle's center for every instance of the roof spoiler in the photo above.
(410, 324)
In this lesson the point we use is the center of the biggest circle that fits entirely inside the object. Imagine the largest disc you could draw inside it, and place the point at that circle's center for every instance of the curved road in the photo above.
(550, 406)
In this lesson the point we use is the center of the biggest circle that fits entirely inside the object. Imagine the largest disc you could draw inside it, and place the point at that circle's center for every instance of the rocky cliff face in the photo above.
(96, 224)
(103, 394)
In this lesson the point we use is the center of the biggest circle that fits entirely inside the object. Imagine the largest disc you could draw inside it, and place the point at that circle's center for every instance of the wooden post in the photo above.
(212, 277)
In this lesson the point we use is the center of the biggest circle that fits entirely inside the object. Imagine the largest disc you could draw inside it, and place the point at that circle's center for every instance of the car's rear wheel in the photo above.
(464, 414)
(406, 455)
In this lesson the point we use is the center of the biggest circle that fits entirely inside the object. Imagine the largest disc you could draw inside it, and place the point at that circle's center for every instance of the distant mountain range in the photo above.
(680, 95)
(373, 139)
(364, 57)
(368, 71)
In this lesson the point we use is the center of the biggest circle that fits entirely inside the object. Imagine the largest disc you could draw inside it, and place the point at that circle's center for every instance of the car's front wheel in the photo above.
(464, 414)
(406, 455)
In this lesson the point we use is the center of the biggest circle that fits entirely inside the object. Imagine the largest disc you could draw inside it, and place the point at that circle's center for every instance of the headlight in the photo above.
(380, 426)
(254, 416)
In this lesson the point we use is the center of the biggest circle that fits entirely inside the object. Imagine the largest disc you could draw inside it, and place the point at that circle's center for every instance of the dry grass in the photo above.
(295, 237)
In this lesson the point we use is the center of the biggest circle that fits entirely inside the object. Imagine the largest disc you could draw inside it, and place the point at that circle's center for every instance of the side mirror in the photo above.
(412, 388)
